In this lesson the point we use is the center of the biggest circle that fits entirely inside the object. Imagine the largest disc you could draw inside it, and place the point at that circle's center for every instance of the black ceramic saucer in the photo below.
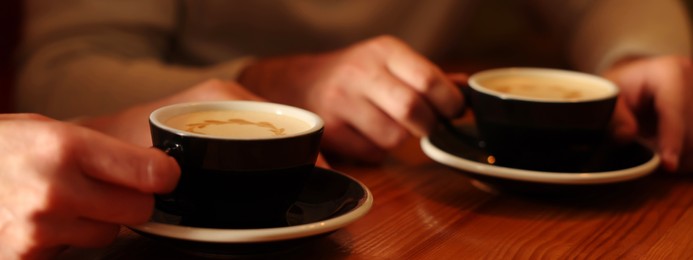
(330, 200)
(460, 148)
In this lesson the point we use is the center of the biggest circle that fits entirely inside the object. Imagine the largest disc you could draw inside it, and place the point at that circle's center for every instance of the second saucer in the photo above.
(459, 150)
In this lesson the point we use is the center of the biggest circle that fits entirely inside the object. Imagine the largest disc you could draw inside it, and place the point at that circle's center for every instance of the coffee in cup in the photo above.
(237, 124)
(243, 163)
(536, 116)
(545, 88)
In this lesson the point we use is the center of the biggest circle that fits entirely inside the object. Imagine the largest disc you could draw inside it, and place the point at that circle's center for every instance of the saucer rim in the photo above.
(568, 178)
(213, 235)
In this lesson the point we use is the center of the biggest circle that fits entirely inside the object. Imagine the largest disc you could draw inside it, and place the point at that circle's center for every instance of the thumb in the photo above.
(460, 80)
(108, 159)
(624, 127)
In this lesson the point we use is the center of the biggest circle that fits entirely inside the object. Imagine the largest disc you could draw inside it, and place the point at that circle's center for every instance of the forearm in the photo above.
(84, 57)
(130, 124)
(276, 78)
(614, 30)
(62, 85)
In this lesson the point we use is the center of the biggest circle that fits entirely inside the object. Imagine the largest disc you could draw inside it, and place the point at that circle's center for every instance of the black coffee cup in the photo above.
(530, 117)
(243, 163)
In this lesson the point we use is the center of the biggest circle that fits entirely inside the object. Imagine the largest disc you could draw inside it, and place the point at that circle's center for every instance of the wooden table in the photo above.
(424, 210)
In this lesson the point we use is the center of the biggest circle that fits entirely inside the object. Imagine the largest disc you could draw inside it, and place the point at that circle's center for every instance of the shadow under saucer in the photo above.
(329, 201)
(611, 164)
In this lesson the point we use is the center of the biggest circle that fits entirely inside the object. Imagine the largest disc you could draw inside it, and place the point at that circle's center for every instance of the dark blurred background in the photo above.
(10, 17)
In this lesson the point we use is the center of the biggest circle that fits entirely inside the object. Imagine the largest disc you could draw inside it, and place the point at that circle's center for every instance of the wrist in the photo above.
(280, 79)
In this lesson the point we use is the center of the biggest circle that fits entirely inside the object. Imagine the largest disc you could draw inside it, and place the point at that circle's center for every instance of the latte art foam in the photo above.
(237, 124)
(546, 88)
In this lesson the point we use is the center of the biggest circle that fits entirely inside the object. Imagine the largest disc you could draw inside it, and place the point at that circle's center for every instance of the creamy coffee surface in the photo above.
(238, 124)
(546, 88)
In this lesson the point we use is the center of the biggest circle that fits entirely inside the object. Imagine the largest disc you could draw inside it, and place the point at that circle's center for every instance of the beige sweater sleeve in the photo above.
(84, 57)
(598, 33)
(614, 29)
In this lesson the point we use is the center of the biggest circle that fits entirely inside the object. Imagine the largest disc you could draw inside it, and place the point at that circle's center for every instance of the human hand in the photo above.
(63, 185)
(655, 102)
(372, 95)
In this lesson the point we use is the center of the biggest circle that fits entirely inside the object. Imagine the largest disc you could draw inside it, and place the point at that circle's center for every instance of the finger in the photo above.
(45, 253)
(107, 159)
(90, 233)
(348, 142)
(403, 104)
(669, 104)
(624, 127)
(461, 81)
(75, 232)
(109, 203)
(322, 162)
(369, 120)
(427, 79)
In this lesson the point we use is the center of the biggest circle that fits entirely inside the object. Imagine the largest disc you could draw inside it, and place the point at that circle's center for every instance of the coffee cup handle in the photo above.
(466, 93)
(450, 127)
(167, 202)
(172, 149)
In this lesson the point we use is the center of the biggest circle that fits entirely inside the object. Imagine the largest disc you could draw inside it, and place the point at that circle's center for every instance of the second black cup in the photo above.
(536, 117)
